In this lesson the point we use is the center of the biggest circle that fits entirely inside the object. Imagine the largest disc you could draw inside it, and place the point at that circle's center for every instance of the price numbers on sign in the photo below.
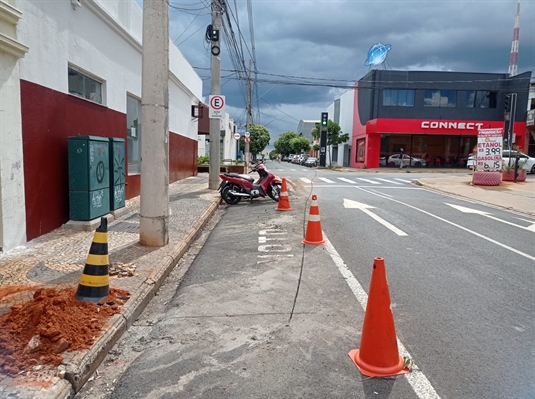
(489, 149)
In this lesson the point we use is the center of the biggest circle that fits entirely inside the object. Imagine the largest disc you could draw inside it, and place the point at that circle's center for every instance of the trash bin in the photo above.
(89, 177)
(117, 174)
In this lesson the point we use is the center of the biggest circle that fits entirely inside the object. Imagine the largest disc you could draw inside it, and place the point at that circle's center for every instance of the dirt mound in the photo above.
(37, 332)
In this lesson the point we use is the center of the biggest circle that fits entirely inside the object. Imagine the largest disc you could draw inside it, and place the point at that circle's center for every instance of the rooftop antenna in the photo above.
(513, 60)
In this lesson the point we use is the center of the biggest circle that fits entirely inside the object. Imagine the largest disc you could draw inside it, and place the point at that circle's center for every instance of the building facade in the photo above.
(341, 112)
(74, 69)
(434, 115)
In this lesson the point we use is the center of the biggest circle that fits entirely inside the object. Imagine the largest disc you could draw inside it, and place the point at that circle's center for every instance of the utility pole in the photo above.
(215, 89)
(154, 212)
(248, 120)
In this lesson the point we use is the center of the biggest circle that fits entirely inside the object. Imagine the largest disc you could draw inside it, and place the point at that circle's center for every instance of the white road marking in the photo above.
(292, 170)
(488, 215)
(325, 180)
(388, 181)
(416, 378)
(307, 181)
(532, 226)
(347, 180)
(368, 181)
(405, 181)
(454, 224)
(304, 170)
(366, 209)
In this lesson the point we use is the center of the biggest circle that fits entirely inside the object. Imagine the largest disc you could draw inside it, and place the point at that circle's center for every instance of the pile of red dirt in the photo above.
(37, 332)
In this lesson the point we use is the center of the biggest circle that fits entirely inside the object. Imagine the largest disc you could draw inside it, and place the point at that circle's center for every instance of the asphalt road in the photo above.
(461, 286)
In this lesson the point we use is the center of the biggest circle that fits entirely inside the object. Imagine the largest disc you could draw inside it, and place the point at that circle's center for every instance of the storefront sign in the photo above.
(451, 125)
(489, 149)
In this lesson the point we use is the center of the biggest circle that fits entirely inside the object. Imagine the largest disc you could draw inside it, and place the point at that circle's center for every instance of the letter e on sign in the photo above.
(217, 107)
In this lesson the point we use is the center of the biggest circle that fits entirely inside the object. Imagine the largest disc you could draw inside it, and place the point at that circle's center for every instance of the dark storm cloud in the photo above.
(330, 40)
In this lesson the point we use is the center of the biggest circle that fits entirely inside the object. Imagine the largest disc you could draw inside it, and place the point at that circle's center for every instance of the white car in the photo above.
(471, 162)
(529, 165)
(394, 160)
(529, 161)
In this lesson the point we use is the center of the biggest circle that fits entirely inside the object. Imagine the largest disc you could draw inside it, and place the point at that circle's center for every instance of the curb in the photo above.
(84, 364)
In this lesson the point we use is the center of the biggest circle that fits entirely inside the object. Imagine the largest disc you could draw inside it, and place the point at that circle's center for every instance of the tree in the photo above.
(300, 144)
(282, 145)
(259, 139)
(334, 135)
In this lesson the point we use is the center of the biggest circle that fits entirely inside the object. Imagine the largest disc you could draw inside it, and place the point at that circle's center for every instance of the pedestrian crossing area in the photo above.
(376, 181)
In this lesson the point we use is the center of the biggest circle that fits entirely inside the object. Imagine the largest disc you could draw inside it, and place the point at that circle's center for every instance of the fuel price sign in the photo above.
(489, 149)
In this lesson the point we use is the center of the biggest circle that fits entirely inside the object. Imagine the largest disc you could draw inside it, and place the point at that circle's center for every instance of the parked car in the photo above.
(284, 158)
(506, 155)
(311, 162)
(529, 161)
(394, 160)
(295, 159)
(382, 161)
(471, 161)
(291, 157)
(302, 159)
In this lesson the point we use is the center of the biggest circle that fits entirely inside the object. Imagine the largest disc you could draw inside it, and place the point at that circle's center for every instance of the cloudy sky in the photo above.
(326, 43)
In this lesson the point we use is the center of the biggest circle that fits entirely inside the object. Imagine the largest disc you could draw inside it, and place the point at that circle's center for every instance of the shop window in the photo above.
(83, 86)
(398, 98)
(133, 133)
(480, 99)
(440, 98)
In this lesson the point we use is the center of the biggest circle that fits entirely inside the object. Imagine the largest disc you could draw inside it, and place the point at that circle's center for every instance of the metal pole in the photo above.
(248, 118)
(511, 126)
(215, 89)
(154, 198)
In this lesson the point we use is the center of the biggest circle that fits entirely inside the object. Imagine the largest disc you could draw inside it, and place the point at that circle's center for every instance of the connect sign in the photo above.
(217, 107)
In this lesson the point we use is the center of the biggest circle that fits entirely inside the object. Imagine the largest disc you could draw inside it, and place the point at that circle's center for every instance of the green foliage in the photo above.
(300, 144)
(273, 154)
(203, 160)
(521, 165)
(316, 147)
(282, 144)
(259, 139)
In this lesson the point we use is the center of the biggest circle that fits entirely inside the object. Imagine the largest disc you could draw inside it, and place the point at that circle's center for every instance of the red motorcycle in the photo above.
(234, 186)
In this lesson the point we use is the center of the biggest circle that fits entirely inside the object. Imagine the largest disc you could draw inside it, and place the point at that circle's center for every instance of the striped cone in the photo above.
(314, 236)
(284, 201)
(94, 284)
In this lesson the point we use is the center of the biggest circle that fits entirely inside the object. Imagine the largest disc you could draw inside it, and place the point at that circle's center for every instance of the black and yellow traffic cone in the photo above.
(94, 284)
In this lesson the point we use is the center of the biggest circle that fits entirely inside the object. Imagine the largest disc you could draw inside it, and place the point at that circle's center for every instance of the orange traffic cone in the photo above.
(284, 202)
(313, 235)
(378, 355)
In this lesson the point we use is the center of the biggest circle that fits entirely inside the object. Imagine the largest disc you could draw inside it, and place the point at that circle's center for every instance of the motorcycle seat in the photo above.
(247, 177)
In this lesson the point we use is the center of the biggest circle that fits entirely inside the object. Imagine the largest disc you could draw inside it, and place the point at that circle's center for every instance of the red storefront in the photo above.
(445, 139)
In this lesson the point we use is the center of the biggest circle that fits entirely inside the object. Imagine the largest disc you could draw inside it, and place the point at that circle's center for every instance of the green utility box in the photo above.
(89, 177)
(117, 173)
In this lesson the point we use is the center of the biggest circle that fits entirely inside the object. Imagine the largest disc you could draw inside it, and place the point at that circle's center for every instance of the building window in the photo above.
(480, 99)
(83, 86)
(398, 98)
(133, 133)
(440, 98)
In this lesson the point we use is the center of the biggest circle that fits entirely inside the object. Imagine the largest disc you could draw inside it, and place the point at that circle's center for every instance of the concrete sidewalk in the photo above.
(57, 260)
(518, 197)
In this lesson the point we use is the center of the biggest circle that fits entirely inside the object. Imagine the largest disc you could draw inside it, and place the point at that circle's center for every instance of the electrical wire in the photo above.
(303, 253)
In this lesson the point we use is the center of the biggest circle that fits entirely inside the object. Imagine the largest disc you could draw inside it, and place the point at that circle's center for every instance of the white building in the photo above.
(73, 68)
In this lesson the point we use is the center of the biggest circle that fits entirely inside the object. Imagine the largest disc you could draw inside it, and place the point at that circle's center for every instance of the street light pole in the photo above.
(215, 89)
(154, 190)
